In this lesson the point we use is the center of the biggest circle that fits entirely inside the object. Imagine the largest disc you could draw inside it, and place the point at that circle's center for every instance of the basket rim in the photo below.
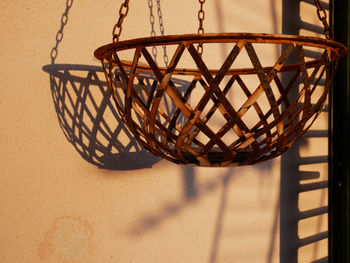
(338, 48)
(235, 71)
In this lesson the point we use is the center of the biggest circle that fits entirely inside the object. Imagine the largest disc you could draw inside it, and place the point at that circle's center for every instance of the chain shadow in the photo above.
(90, 121)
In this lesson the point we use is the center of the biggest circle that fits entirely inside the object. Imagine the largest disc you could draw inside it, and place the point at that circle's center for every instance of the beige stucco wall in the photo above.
(58, 207)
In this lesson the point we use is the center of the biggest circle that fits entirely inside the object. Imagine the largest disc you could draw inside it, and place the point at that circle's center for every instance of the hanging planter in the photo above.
(175, 122)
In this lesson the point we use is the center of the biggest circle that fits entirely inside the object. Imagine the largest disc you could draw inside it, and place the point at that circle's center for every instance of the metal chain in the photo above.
(160, 17)
(322, 15)
(153, 32)
(161, 28)
(59, 35)
(201, 17)
(118, 27)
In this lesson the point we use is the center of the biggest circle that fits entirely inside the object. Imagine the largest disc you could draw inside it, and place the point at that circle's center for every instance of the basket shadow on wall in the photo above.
(89, 120)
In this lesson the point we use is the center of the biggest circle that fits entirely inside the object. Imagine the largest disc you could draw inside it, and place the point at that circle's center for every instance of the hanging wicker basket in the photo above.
(184, 135)
(174, 115)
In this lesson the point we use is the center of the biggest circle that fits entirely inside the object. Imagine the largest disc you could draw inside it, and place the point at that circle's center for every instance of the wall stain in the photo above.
(68, 241)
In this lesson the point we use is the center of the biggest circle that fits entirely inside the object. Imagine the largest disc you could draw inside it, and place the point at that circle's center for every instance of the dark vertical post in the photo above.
(339, 143)
(290, 161)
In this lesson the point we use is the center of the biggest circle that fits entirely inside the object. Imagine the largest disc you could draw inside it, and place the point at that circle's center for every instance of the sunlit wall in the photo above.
(76, 186)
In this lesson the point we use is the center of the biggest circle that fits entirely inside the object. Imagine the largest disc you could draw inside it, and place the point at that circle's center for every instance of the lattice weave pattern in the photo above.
(167, 121)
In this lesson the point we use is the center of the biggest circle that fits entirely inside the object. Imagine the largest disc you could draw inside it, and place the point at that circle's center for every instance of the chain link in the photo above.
(161, 28)
(201, 17)
(118, 27)
(160, 16)
(153, 32)
(322, 15)
(59, 35)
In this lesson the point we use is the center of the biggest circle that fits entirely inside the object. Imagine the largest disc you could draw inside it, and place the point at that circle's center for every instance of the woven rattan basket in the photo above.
(174, 118)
